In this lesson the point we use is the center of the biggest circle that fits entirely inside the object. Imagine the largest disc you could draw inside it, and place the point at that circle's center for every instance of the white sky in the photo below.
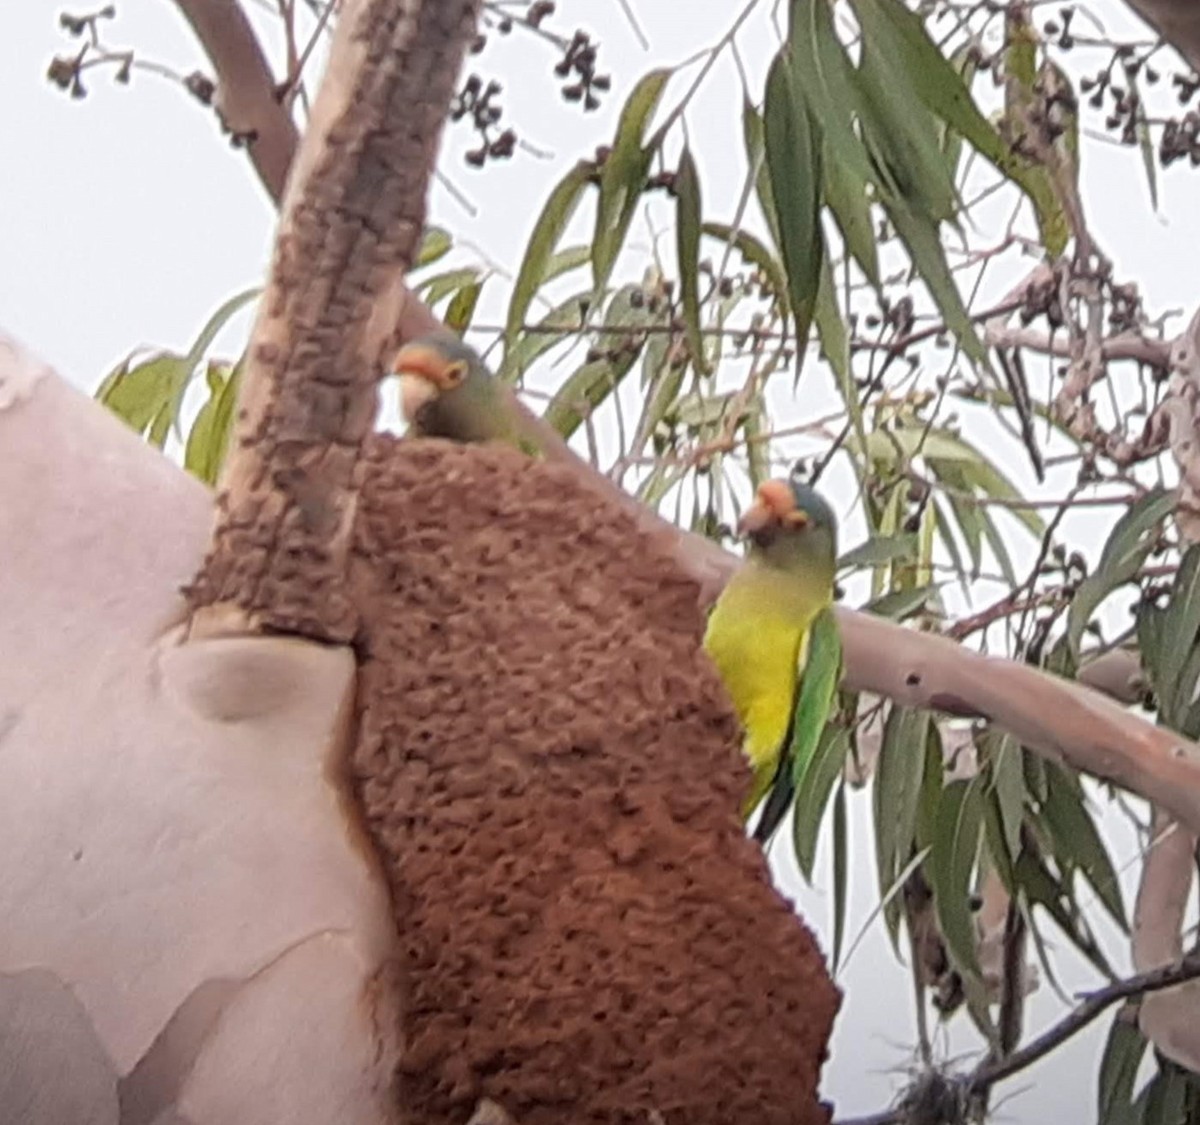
(126, 219)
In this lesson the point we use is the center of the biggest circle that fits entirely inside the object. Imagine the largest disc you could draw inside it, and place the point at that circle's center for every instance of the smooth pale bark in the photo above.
(192, 924)
(1169, 1018)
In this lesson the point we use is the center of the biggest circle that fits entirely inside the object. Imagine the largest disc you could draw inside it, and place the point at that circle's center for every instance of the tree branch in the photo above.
(250, 108)
(246, 90)
(988, 1073)
(353, 216)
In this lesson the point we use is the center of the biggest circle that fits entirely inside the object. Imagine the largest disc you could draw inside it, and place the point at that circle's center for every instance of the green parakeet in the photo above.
(758, 631)
(447, 391)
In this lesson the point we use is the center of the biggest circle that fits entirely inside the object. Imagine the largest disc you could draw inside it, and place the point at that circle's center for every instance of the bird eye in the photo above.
(455, 372)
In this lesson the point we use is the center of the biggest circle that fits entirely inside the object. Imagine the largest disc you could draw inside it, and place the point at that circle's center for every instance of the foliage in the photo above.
(869, 145)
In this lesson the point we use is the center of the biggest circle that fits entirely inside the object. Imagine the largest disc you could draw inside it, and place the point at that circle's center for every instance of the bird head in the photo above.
(790, 523)
(447, 391)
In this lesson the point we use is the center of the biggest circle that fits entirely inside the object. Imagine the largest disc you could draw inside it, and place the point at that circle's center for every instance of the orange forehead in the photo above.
(777, 496)
(425, 362)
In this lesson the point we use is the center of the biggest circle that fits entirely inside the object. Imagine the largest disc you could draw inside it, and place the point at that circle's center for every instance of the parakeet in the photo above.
(447, 391)
(757, 633)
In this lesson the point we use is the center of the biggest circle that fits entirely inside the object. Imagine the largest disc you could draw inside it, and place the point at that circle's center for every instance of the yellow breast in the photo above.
(756, 637)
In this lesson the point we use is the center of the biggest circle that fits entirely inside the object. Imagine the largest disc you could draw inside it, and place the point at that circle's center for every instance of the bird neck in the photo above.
(800, 572)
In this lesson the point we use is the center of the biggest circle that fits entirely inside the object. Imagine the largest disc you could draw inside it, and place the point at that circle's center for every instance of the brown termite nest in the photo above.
(552, 776)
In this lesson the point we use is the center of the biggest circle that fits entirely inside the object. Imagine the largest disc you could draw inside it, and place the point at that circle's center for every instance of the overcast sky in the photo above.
(126, 219)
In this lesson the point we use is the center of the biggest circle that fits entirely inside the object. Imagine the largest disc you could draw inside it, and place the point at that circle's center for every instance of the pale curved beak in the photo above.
(423, 373)
(774, 506)
(416, 392)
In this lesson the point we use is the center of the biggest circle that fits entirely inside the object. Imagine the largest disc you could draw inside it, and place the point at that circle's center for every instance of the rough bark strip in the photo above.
(352, 220)
(552, 775)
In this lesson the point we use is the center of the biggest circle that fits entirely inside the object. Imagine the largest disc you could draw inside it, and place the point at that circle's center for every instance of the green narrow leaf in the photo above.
(794, 167)
(565, 260)
(999, 548)
(140, 394)
(941, 86)
(950, 866)
(199, 349)
(624, 174)
(901, 604)
(887, 903)
(880, 550)
(919, 233)
(1179, 628)
(1144, 139)
(897, 129)
(898, 776)
(832, 334)
(539, 251)
(462, 307)
(826, 768)
(964, 62)
(818, 687)
(1008, 783)
(825, 73)
(757, 254)
(949, 541)
(217, 321)
(841, 852)
(756, 429)
(1127, 547)
(579, 395)
(208, 441)
(687, 231)
(435, 244)
(443, 285)
(562, 323)
(756, 160)
(1078, 841)
(1119, 1065)
(1164, 1100)
(850, 206)
(667, 383)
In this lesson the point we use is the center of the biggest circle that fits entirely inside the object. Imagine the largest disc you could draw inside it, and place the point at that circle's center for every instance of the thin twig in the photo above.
(988, 1073)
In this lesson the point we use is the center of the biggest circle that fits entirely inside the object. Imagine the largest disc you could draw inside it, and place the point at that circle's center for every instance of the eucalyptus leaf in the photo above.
(841, 863)
(880, 550)
(1119, 1065)
(756, 160)
(443, 285)
(900, 604)
(951, 864)
(1128, 546)
(623, 177)
(140, 393)
(687, 247)
(1180, 627)
(919, 233)
(1078, 841)
(208, 440)
(435, 244)
(580, 394)
(543, 242)
(812, 797)
(897, 793)
(563, 322)
(834, 336)
(754, 251)
(794, 164)
(462, 307)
